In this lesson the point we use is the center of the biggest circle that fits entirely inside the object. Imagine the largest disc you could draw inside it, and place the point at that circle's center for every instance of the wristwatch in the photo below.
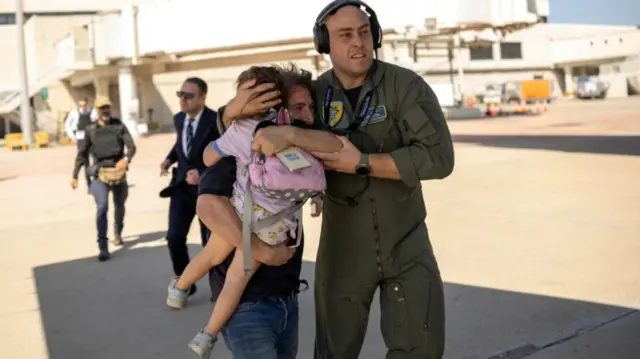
(363, 169)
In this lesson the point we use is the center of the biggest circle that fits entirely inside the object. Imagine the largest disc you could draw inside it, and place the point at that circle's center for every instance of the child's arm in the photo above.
(225, 145)
(212, 154)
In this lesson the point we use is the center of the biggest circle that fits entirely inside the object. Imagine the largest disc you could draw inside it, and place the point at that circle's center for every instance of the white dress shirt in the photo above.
(194, 125)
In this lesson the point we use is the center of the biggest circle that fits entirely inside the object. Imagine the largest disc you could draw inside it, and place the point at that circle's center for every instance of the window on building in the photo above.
(481, 52)
(10, 18)
(511, 50)
(7, 19)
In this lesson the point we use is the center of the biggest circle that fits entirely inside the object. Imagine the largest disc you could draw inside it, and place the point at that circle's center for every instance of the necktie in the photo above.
(189, 135)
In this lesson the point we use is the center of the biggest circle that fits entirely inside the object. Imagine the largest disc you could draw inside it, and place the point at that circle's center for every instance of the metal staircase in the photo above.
(10, 99)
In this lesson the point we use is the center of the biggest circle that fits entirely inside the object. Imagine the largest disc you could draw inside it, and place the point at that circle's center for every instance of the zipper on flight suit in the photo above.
(366, 88)
(377, 235)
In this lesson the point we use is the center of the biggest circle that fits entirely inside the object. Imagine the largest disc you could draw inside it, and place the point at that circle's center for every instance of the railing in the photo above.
(11, 99)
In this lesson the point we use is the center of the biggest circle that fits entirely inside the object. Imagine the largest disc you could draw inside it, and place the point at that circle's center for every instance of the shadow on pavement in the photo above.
(131, 241)
(7, 178)
(117, 310)
(615, 145)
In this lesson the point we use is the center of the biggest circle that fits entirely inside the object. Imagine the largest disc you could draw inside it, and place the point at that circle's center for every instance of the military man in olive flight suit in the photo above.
(383, 132)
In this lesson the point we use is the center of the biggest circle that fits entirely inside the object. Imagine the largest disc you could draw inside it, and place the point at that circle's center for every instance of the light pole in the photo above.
(25, 107)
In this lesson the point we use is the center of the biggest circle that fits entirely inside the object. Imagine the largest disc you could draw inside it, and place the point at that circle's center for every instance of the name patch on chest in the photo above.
(375, 115)
(336, 112)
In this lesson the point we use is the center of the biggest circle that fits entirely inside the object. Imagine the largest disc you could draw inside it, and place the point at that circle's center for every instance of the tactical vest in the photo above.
(106, 142)
(84, 120)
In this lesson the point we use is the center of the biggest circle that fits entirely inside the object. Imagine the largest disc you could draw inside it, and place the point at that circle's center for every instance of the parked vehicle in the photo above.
(492, 93)
(590, 87)
(527, 91)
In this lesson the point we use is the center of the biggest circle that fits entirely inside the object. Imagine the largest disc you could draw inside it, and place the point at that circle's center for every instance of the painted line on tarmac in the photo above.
(533, 347)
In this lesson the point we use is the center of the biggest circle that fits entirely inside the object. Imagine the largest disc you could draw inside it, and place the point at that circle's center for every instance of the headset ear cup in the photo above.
(376, 30)
(324, 44)
(316, 38)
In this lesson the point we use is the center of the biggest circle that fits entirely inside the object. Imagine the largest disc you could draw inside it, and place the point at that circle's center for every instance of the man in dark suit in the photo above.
(195, 128)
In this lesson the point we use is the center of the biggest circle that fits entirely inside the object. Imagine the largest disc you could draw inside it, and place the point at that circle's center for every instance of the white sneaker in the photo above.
(176, 298)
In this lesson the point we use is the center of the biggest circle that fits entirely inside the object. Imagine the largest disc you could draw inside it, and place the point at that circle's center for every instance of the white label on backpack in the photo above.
(293, 159)
(79, 135)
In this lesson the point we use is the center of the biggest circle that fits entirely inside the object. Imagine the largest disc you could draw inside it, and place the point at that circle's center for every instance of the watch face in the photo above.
(362, 170)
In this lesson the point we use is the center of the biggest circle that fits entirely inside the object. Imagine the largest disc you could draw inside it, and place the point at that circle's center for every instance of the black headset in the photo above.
(321, 34)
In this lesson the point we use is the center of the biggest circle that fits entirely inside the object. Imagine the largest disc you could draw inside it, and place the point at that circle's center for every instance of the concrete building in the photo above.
(131, 54)
(560, 52)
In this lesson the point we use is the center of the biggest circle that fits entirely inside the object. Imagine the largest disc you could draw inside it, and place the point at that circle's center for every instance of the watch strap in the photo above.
(364, 160)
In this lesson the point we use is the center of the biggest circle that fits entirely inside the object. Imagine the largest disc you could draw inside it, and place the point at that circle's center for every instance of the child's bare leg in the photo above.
(214, 253)
(229, 298)
(211, 255)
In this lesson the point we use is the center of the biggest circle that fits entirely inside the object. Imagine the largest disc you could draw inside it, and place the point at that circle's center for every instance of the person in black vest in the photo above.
(195, 128)
(105, 140)
(75, 125)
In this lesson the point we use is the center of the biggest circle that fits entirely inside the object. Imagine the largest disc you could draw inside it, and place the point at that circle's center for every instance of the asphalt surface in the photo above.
(536, 233)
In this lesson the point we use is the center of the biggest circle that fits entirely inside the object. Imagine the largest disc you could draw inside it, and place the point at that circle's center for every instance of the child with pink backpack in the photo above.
(268, 195)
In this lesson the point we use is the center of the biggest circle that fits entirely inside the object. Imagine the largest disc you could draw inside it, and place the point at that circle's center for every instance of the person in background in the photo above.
(105, 141)
(75, 125)
(195, 128)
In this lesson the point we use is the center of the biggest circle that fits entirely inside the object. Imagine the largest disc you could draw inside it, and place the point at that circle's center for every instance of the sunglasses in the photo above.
(185, 95)
(105, 107)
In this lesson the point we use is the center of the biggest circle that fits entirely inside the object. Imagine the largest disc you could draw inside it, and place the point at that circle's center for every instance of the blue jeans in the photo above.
(100, 192)
(267, 329)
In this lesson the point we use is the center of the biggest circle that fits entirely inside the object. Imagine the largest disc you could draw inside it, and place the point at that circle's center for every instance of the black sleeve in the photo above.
(220, 122)
(83, 152)
(173, 153)
(128, 142)
(218, 179)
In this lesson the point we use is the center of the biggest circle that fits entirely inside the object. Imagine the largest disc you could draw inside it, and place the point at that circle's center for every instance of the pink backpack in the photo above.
(274, 179)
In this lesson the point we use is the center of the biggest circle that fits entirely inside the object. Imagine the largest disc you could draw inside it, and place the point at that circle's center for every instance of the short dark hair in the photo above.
(297, 77)
(200, 83)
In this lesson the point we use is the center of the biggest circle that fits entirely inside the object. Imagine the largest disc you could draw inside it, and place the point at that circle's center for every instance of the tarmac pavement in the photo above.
(536, 233)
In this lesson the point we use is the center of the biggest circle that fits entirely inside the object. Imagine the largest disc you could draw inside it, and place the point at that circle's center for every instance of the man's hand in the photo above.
(273, 139)
(74, 183)
(273, 256)
(344, 161)
(122, 164)
(164, 167)
(250, 100)
(193, 177)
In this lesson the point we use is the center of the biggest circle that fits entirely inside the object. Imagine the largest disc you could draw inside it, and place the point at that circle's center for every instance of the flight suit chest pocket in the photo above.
(382, 128)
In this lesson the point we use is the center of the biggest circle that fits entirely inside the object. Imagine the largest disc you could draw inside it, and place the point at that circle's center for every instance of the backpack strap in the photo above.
(247, 226)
